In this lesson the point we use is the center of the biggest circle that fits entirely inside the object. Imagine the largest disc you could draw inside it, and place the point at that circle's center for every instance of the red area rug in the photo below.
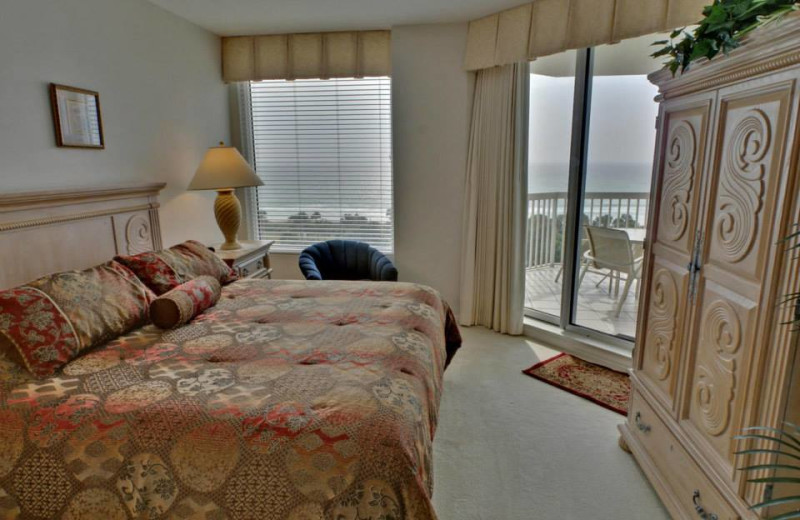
(598, 384)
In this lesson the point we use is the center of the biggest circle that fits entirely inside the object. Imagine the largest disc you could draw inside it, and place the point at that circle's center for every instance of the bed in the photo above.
(286, 400)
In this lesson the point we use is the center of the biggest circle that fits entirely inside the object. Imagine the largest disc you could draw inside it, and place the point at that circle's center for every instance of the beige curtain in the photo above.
(546, 27)
(306, 55)
(493, 260)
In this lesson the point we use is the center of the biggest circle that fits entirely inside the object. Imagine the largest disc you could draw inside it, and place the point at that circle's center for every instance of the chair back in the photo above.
(610, 248)
(345, 260)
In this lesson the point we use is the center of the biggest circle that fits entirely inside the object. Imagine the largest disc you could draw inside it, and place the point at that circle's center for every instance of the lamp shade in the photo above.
(223, 167)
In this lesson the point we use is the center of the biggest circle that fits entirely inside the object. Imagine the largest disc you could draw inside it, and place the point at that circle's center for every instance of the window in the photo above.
(324, 151)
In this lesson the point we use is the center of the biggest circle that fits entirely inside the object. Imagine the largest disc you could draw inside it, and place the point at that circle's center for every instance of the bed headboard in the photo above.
(42, 232)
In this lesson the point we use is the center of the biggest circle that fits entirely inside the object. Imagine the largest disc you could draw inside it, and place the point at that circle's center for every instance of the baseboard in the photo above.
(589, 349)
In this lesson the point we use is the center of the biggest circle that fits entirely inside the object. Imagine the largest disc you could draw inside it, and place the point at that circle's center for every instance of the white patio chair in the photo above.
(610, 249)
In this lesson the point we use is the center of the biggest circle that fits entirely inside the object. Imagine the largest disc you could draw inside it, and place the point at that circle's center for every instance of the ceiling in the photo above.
(239, 17)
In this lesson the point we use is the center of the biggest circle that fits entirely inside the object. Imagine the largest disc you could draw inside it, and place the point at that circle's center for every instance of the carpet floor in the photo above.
(510, 447)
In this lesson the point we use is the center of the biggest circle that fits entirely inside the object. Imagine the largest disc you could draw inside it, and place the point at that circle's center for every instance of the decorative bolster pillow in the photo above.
(184, 302)
(50, 321)
(164, 270)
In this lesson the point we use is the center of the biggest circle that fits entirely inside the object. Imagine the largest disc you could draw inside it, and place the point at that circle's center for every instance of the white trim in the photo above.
(245, 120)
(587, 348)
(247, 196)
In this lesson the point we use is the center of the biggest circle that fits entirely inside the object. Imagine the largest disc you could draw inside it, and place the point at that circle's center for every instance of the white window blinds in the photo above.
(324, 151)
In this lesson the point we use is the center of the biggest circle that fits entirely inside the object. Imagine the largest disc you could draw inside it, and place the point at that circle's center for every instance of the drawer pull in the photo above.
(644, 428)
(701, 512)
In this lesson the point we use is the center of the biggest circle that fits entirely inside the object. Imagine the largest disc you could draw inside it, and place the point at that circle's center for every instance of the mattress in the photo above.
(286, 400)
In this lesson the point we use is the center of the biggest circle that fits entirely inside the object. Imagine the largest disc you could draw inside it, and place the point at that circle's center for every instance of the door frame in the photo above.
(579, 149)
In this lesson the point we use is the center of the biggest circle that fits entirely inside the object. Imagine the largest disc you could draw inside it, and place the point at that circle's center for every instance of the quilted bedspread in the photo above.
(287, 400)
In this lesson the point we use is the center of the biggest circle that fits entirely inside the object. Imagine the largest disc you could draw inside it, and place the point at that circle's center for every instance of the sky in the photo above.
(621, 134)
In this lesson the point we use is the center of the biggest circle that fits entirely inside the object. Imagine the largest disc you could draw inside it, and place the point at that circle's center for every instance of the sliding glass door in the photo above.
(590, 161)
(552, 88)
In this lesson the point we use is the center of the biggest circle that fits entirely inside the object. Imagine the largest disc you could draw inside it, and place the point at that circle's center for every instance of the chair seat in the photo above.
(600, 263)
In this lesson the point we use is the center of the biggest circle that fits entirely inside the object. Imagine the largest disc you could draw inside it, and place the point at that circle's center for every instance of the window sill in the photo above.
(590, 349)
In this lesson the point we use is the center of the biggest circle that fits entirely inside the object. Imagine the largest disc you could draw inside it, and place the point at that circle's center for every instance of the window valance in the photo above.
(306, 55)
(546, 27)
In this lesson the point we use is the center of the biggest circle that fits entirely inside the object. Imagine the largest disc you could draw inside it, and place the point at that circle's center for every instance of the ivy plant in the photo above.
(724, 24)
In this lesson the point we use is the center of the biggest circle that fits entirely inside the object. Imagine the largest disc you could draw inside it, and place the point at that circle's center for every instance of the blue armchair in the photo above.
(346, 260)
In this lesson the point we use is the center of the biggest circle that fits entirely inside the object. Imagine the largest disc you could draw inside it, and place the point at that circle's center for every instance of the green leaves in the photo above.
(723, 25)
(777, 443)
(782, 446)
(793, 237)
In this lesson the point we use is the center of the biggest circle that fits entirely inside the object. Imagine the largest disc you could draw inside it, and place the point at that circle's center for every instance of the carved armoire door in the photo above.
(734, 282)
(683, 140)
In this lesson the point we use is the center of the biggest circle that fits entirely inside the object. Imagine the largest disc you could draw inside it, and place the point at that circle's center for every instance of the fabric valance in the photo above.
(546, 27)
(306, 55)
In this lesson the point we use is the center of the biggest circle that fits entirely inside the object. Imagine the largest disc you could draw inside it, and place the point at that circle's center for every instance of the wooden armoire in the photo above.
(712, 356)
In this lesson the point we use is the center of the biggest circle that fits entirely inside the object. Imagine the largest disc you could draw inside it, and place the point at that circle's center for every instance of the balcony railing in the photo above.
(545, 240)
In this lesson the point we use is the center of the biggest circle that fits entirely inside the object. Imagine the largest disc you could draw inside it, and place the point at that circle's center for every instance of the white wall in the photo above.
(284, 266)
(431, 104)
(162, 99)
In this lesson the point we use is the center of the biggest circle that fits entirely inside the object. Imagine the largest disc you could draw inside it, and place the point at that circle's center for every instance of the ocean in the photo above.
(620, 177)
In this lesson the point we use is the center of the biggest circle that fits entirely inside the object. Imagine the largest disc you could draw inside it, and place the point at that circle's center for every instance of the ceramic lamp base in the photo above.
(228, 212)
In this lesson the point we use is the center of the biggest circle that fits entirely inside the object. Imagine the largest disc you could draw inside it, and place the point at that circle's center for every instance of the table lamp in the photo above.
(223, 169)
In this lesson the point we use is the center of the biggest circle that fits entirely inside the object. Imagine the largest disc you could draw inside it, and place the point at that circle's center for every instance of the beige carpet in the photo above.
(510, 447)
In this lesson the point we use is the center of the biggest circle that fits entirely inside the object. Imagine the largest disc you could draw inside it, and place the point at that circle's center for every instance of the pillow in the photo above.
(181, 304)
(164, 270)
(53, 319)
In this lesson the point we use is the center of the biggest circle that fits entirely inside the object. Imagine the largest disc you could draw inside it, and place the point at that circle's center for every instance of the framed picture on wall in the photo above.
(76, 115)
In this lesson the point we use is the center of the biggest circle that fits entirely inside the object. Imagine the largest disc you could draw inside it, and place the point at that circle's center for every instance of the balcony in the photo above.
(597, 296)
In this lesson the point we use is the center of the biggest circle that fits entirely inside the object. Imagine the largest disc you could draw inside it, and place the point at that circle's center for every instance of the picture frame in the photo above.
(76, 117)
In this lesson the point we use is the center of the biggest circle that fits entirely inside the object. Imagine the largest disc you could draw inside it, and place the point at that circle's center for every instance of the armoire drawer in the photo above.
(691, 490)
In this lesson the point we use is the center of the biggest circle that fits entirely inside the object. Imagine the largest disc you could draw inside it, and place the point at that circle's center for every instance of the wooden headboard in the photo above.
(42, 232)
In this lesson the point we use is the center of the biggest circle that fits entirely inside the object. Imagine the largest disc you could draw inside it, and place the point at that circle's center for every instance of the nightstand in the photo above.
(251, 261)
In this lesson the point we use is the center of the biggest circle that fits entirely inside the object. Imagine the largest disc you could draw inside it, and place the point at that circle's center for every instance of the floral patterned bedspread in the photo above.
(287, 400)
